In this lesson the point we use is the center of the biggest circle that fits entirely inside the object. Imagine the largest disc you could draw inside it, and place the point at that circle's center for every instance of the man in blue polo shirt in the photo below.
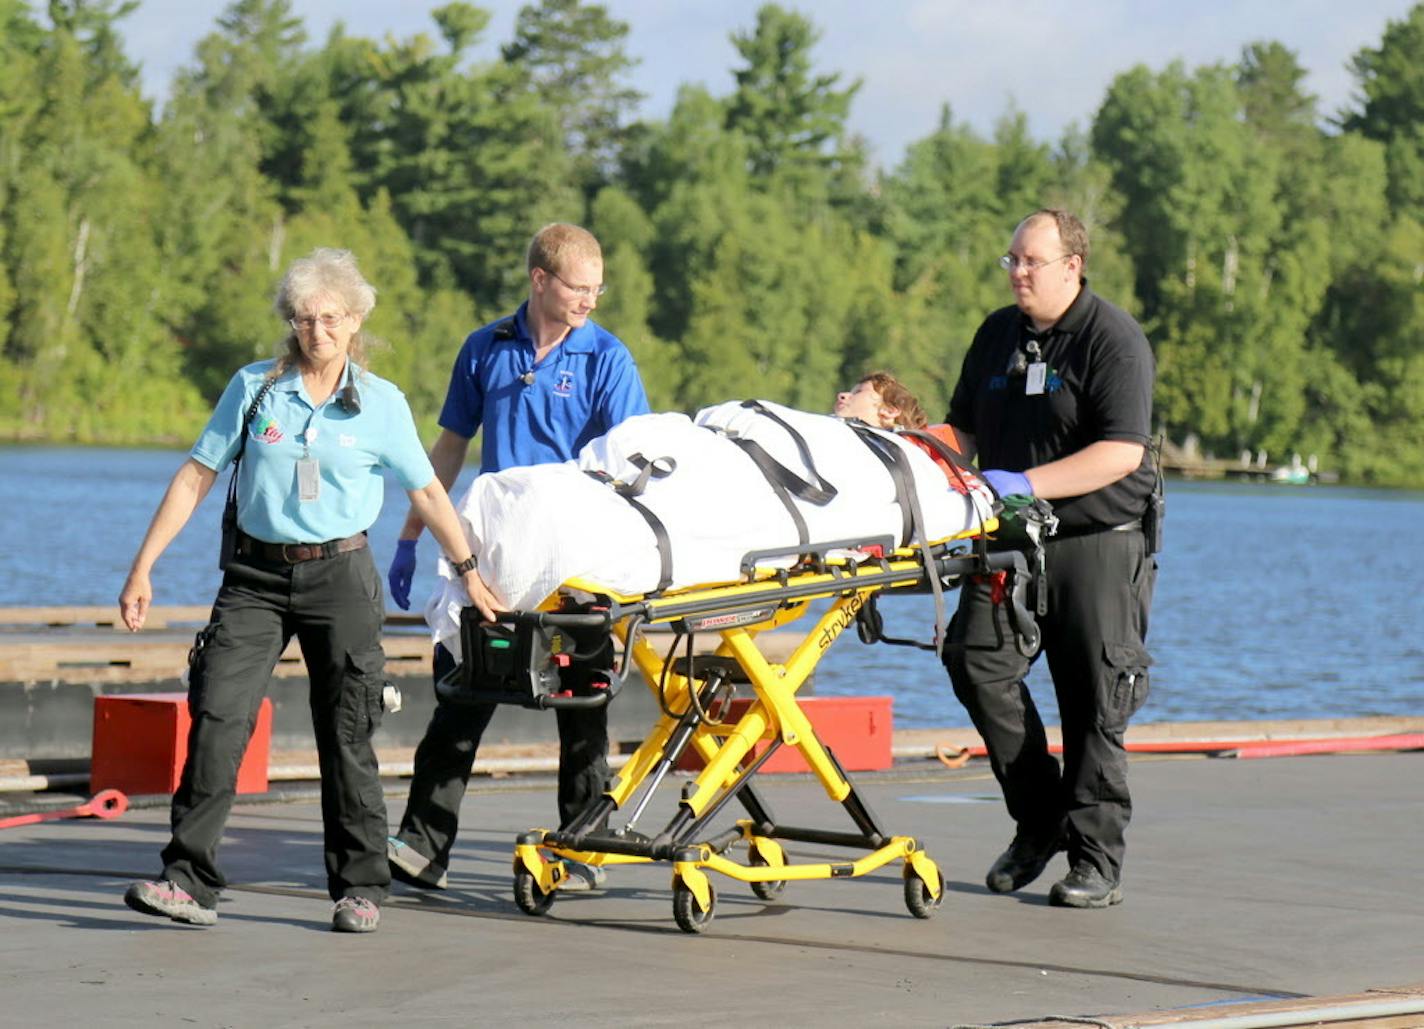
(540, 384)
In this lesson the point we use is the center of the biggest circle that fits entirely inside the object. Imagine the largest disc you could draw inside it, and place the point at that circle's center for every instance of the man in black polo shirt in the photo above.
(1055, 397)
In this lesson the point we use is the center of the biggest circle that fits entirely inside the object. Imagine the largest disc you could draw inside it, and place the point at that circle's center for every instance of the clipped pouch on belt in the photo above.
(1152, 520)
(1156, 512)
(228, 547)
(195, 654)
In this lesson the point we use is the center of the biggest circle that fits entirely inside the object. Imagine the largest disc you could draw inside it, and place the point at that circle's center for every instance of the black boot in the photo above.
(1085, 887)
(1024, 861)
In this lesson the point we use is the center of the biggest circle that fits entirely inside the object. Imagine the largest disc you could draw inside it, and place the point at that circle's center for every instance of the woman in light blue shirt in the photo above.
(312, 433)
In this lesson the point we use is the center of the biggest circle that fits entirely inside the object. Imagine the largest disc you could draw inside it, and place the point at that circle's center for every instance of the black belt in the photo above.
(1093, 530)
(296, 553)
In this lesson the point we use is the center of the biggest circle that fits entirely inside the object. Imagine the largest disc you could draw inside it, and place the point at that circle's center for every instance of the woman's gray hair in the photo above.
(331, 271)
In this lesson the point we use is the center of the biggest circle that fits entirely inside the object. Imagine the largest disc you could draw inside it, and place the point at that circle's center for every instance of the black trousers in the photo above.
(446, 754)
(1099, 596)
(335, 608)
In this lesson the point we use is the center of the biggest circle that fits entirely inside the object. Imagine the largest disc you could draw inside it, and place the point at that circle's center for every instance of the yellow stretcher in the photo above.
(517, 661)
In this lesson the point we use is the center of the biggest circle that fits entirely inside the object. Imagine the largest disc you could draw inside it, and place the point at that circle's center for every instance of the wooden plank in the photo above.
(88, 644)
(100, 617)
(139, 657)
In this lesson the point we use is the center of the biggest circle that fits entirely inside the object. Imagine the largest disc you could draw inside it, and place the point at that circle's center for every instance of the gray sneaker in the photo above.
(355, 915)
(412, 867)
(167, 899)
(582, 877)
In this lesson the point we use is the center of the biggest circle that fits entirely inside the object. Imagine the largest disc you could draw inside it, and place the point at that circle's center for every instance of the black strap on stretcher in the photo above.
(958, 464)
(785, 483)
(908, 497)
(823, 492)
(657, 468)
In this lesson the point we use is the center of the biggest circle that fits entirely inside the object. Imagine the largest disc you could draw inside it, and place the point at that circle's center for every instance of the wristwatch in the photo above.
(469, 564)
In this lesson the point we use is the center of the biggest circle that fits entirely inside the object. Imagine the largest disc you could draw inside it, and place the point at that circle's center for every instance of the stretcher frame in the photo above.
(690, 688)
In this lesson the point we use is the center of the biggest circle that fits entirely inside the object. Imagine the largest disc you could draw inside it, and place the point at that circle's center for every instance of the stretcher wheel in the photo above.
(691, 918)
(768, 890)
(531, 899)
(918, 898)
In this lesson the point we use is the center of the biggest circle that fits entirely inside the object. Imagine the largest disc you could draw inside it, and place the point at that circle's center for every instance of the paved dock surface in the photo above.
(1246, 882)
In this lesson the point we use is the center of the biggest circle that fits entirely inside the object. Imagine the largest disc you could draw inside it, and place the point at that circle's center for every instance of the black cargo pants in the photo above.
(446, 754)
(1099, 596)
(335, 608)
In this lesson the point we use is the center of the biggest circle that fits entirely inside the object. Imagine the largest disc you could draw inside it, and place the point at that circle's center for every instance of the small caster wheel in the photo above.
(690, 917)
(917, 895)
(768, 889)
(527, 894)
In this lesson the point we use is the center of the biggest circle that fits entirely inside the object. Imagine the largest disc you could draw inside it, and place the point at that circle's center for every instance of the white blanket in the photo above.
(537, 527)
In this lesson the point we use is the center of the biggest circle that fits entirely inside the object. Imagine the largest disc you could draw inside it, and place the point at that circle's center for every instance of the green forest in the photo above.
(1274, 251)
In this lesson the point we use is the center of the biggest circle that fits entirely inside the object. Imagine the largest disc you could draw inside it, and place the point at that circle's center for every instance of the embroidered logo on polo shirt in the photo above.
(564, 384)
(345, 440)
(267, 430)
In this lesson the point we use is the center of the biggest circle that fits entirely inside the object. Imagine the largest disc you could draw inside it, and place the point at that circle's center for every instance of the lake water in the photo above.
(1272, 601)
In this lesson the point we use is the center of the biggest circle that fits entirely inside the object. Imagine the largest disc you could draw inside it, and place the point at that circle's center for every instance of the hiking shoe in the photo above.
(1085, 887)
(1023, 862)
(167, 899)
(582, 878)
(412, 867)
(355, 915)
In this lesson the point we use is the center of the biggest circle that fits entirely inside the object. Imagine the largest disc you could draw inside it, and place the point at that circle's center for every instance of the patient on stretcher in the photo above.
(665, 501)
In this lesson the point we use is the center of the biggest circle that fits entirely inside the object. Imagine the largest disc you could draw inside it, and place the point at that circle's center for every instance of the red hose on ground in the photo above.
(955, 757)
(1338, 745)
(104, 804)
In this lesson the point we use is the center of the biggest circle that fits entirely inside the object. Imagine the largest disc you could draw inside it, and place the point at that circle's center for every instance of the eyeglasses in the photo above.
(587, 292)
(330, 321)
(1009, 262)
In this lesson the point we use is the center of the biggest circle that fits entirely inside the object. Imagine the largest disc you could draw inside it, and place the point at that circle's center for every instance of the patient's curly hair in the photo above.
(894, 394)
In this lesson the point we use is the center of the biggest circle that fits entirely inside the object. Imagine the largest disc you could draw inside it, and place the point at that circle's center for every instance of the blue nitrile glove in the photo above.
(1008, 484)
(401, 573)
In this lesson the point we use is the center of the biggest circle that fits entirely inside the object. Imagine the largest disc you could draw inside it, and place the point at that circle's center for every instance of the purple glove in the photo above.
(1007, 484)
(401, 573)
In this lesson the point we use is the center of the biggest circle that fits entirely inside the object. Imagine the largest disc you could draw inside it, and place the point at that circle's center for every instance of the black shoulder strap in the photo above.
(242, 442)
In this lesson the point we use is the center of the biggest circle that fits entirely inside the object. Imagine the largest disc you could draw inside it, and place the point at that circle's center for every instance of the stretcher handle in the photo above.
(815, 550)
(587, 703)
(556, 619)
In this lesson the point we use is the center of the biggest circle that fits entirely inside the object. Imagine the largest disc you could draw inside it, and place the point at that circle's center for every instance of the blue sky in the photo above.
(1052, 59)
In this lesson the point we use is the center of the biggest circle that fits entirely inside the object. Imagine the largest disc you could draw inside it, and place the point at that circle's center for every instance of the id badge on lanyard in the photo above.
(1035, 379)
(308, 470)
(308, 479)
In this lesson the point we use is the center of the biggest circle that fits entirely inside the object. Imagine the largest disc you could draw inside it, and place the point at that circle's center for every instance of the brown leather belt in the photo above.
(296, 553)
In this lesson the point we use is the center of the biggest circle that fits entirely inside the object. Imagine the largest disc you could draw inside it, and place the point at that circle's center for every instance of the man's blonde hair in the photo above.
(555, 246)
